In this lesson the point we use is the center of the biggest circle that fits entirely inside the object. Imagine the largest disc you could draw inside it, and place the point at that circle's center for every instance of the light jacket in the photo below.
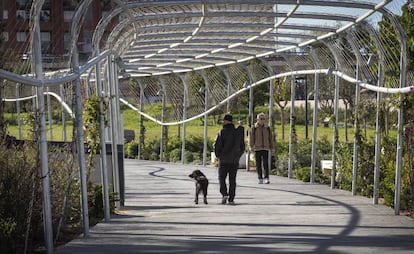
(260, 138)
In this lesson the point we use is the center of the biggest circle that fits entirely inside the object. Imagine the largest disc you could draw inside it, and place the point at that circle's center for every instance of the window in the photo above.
(45, 15)
(45, 41)
(66, 41)
(70, 4)
(5, 14)
(21, 36)
(87, 42)
(5, 36)
(21, 15)
(22, 2)
(45, 36)
(68, 15)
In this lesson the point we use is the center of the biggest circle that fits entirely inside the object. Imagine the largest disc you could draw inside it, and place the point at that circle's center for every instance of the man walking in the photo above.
(261, 142)
(228, 147)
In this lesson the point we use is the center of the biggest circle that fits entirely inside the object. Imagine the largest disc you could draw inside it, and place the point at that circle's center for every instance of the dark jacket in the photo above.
(229, 144)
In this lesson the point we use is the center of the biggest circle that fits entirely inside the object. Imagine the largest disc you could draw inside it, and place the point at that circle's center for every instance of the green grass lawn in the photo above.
(196, 128)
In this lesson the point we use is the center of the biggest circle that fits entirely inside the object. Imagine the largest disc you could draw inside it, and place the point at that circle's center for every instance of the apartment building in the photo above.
(55, 23)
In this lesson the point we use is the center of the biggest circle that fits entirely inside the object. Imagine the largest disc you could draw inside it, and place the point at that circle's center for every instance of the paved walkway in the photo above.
(285, 216)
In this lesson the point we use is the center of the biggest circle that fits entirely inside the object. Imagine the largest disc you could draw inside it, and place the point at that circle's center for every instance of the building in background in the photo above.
(55, 25)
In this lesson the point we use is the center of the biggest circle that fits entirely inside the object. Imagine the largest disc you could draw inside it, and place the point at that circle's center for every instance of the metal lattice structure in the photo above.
(198, 56)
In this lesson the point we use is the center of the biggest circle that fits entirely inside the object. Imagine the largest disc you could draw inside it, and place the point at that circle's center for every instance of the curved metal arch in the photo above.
(229, 85)
(403, 68)
(380, 82)
(104, 22)
(206, 106)
(185, 105)
(315, 116)
(100, 27)
(284, 16)
(75, 25)
(292, 114)
(124, 39)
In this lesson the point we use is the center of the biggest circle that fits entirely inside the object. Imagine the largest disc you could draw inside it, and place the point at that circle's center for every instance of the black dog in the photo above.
(201, 184)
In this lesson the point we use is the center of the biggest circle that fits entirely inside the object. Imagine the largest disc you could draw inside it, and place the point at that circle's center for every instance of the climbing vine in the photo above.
(91, 121)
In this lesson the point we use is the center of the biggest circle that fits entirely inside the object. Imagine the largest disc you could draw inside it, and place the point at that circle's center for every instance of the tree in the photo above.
(282, 97)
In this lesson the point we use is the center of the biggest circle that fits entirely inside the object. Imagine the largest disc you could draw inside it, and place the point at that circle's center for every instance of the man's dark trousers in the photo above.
(231, 170)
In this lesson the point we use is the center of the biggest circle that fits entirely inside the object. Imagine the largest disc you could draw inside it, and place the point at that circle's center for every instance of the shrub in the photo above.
(131, 150)
(303, 174)
(175, 155)
(21, 212)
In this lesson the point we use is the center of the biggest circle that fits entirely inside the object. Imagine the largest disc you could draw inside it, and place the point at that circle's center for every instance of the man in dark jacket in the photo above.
(228, 147)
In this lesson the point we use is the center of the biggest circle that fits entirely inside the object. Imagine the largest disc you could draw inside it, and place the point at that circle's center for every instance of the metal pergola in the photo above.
(165, 45)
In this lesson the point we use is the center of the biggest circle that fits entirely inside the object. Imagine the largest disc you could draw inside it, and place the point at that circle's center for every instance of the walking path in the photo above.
(285, 216)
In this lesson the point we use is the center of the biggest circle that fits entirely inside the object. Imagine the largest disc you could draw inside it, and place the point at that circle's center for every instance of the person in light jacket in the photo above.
(261, 142)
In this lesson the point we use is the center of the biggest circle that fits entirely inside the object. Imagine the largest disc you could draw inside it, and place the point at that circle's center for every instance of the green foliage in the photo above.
(21, 199)
(91, 118)
(21, 196)
(91, 122)
(150, 150)
(304, 153)
(407, 20)
(15, 181)
(172, 151)
(131, 150)
(408, 155)
(303, 173)
(175, 155)
(387, 183)
(302, 158)
(95, 199)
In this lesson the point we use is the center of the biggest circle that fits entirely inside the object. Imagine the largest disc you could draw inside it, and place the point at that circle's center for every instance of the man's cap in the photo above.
(228, 118)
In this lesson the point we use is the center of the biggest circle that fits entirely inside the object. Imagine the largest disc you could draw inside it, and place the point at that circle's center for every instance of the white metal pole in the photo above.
(251, 113)
(204, 90)
(49, 114)
(80, 144)
(378, 138)
(356, 113)
(61, 91)
(113, 124)
(47, 207)
(119, 136)
(185, 91)
(403, 70)
(206, 93)
(162, 93)
(314, 127)
(141, 108)
(271, 120)
(315, 117)
(102, 140)
(18, 110)
(356, 132)
(292, 124)
(335, 129)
